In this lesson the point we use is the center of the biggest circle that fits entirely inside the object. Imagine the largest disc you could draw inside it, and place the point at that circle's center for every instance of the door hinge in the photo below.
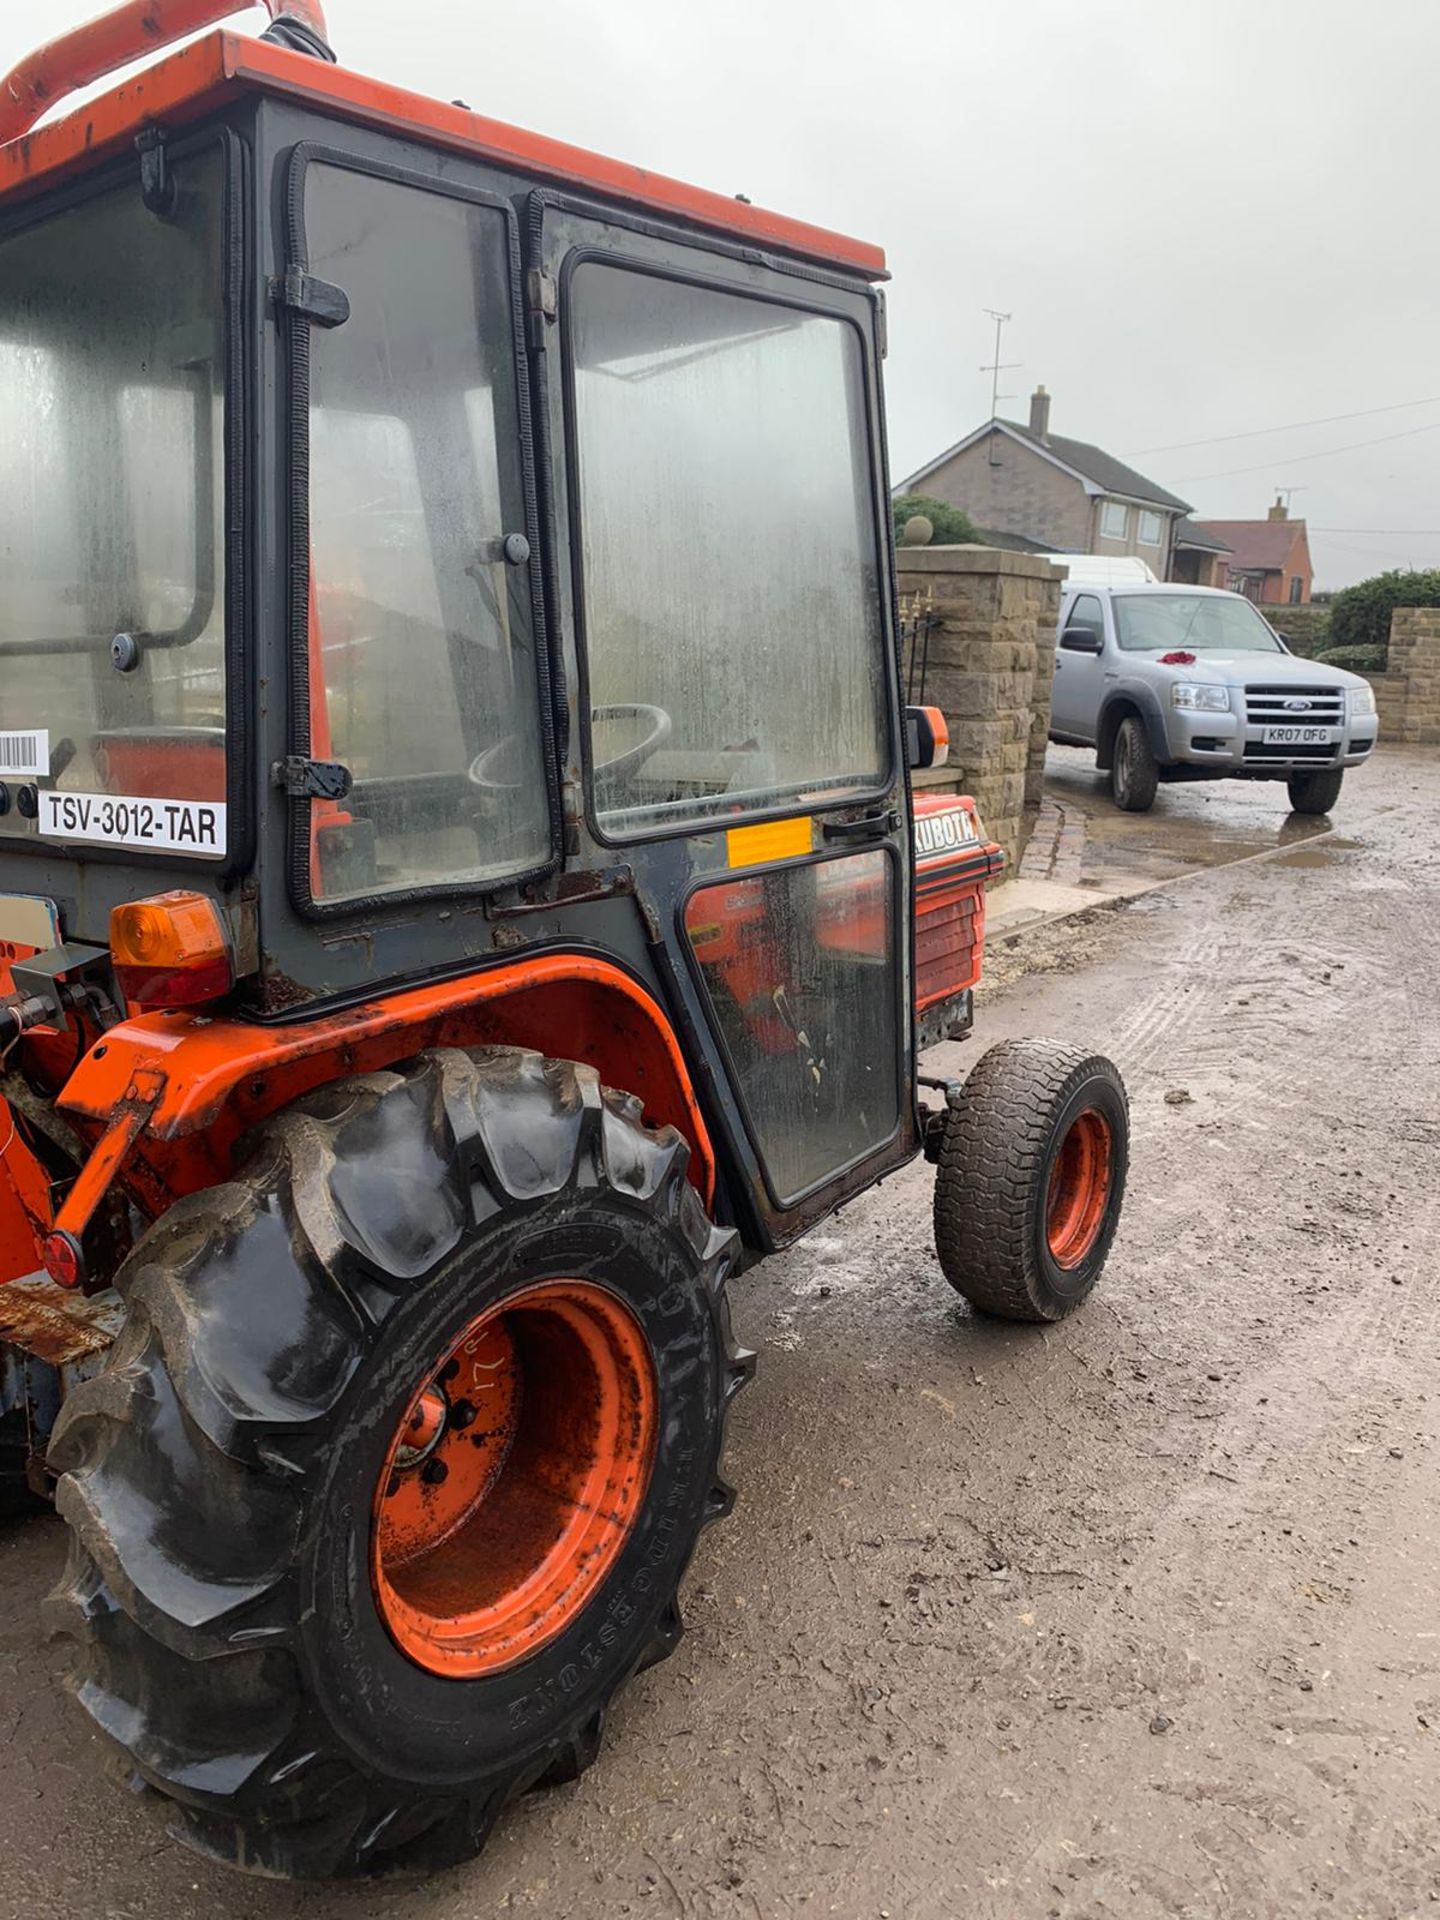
(542, 296)
(159, 193)
(315, 300)
(882, 323)
(306, 779)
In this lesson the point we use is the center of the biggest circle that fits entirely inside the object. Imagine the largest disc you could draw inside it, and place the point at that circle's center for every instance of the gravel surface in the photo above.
(1133, 1616)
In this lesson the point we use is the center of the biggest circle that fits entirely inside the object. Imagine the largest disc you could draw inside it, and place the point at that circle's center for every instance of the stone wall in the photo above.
(1390, 689)
(1415, 659)
(1303, 629)
(991, 662)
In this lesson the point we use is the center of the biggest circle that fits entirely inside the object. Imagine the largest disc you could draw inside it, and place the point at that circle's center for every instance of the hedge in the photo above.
(1360, 615)
(953, 527)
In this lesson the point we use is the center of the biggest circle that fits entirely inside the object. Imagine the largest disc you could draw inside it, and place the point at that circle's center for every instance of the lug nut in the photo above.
(462, 1415)
(433, 1472)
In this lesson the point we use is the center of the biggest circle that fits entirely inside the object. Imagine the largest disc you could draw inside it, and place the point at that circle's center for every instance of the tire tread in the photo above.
(992, 1157)
(193, 1672)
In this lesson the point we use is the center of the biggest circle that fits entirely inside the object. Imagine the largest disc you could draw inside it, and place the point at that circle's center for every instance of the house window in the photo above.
(1114, 520)
(1149, 529)
(1297, 587)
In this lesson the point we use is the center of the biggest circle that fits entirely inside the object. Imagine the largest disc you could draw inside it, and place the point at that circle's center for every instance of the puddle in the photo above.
(1324, 855)
(1192, 825)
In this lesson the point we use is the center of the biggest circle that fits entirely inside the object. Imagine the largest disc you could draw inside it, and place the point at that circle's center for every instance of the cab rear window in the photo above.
(112, 374)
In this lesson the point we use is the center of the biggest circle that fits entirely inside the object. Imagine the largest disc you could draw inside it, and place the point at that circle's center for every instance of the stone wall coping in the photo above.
(933, 559)
(943, 779)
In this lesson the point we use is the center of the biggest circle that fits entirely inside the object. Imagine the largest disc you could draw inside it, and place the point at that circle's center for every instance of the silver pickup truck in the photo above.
(1190, 683)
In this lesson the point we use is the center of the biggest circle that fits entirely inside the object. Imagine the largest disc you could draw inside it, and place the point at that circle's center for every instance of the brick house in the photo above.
(1269, 559)
(1064, 494)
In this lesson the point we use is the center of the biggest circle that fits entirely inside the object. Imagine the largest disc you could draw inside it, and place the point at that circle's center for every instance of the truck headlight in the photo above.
(1360, 700)
(1200, 698)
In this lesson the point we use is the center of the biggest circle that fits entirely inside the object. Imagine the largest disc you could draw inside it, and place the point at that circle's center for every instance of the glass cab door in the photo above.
(421, 674)
(738, 692)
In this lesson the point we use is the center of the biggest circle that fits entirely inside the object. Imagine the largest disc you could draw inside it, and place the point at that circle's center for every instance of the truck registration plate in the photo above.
(1300, 736)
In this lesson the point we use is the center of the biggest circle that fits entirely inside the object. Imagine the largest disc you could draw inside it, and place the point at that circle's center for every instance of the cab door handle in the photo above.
(871, 826)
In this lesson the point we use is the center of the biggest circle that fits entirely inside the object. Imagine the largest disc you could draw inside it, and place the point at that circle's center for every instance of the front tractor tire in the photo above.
(393, 1475)
(1030, 1179)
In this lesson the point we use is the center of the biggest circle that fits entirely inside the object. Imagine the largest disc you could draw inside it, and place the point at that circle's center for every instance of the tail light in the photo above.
(171, 951)
(63, 1259)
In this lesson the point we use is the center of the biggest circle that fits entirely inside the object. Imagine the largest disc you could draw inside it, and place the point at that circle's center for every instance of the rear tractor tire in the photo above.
(1031, 1178)
(1134, 770)
(400, 1457)
(1315, 792)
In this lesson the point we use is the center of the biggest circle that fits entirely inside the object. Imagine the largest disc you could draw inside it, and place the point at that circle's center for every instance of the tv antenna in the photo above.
(998, 366)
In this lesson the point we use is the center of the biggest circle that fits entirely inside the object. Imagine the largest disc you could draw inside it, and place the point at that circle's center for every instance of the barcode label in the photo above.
(24, 753)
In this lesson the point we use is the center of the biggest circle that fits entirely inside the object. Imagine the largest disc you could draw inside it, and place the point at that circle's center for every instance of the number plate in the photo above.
(128, 820)
(1300, 737)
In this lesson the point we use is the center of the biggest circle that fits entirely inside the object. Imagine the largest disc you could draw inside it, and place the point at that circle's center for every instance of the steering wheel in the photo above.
(485, 767)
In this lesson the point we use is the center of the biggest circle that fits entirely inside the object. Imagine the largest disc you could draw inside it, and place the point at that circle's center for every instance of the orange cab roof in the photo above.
(221, 67)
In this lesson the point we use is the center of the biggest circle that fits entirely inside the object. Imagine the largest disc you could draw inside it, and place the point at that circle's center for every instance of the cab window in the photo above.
(731, 584)
(424, 681)
(112, 505)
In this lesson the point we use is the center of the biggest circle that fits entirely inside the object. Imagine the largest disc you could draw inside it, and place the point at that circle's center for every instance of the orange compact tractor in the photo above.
(460, 901)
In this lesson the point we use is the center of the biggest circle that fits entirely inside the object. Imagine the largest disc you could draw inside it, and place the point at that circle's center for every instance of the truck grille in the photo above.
(1265, 706)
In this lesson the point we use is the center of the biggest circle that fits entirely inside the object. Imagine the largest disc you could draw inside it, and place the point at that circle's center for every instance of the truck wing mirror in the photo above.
(1081, 640)
(927, 737)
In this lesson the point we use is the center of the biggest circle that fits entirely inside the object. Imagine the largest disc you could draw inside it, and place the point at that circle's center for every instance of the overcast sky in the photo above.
(1205, 220)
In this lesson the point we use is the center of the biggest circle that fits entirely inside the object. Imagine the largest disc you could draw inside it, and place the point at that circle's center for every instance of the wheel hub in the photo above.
(514, 1478)
(1079, 1188)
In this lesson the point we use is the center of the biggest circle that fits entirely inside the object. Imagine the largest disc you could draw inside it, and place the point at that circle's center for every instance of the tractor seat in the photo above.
(176, 763)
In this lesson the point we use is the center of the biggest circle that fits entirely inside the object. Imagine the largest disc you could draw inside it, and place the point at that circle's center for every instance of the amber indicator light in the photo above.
(170, 950)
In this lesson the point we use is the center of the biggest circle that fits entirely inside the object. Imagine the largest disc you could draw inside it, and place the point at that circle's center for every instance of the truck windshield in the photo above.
(1196, 622)
(111, 495)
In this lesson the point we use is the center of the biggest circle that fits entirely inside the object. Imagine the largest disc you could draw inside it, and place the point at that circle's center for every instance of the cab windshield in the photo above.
(1194, 622)
(111, 496)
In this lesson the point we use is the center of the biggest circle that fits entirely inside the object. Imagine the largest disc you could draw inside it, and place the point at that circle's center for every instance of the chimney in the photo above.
(1040, 414)
(1279, 511)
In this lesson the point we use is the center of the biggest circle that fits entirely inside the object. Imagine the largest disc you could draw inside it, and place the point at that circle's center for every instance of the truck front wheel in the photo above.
(398, 1462)
(1031, 1177)
(1315, 792)
(1134, 770)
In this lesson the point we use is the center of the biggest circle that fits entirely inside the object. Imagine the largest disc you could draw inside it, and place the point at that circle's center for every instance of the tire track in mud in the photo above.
(971, 1563)
(1308, 1458)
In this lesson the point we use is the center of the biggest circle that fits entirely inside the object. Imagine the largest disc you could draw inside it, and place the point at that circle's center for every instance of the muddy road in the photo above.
(1138, 1616)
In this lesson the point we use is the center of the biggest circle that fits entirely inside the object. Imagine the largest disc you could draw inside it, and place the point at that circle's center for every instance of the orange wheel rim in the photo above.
(514, 1478)
(1079, 1188)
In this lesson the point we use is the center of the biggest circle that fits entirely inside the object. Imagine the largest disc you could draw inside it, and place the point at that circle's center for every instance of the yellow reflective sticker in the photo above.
(772, 840)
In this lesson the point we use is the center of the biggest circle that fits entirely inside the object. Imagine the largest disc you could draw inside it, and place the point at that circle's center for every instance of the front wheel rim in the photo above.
(514, 1478)
(1079, 1189)
(1122, 763)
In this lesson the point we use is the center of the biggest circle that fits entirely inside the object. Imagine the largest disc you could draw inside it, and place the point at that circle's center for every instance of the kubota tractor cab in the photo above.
(460, 900)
